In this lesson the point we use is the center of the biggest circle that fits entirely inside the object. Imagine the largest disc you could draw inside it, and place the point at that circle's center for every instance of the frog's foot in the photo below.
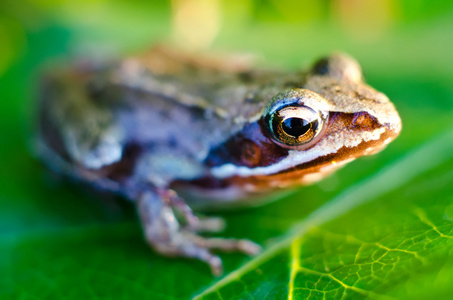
(164, 233)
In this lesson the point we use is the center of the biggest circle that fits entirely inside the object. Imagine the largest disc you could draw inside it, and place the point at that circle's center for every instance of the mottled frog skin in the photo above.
(171, 131)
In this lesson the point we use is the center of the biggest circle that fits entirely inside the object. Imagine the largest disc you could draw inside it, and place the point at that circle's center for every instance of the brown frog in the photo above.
(172, 132)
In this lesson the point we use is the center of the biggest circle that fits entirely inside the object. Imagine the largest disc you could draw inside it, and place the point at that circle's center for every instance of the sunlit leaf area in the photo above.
(382, 227)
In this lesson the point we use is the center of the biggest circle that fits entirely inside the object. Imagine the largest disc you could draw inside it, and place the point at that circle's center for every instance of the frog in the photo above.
(178, 134)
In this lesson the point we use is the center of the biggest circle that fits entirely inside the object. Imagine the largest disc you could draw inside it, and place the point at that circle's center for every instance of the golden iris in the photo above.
(294, 125)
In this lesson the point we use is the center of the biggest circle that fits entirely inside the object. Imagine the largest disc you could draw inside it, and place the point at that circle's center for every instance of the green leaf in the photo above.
(379, 228)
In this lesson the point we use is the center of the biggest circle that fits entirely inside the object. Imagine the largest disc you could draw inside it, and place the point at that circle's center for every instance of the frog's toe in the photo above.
(196, 246)
(188, 245)
(214, 262)
(194, 223)
(210, 224)
(164, 233)
(229, 245)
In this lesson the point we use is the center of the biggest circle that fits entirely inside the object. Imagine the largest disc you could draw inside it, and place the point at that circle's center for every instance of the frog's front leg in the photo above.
(166, 235)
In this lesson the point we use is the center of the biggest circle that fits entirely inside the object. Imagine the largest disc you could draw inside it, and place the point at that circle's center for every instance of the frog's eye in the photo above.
(294, 126)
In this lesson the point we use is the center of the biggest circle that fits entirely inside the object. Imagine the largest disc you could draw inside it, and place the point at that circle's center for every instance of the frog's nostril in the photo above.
(394, 123)
(359, 119)
(364, 121)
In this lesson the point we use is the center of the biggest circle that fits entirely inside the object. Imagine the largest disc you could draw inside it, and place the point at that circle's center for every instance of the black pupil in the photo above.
(297, 126)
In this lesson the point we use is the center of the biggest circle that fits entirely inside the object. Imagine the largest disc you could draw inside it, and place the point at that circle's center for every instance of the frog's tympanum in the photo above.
(173, 132)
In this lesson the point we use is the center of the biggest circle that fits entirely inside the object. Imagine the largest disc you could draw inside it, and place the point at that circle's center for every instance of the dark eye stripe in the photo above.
(249, 147)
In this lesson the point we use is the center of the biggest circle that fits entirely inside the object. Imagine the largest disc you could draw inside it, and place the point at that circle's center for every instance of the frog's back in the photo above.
(87, 120)
(95, 120)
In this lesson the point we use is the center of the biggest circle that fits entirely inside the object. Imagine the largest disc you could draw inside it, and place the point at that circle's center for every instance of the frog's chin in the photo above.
(230, 198)
(373, 147)
(374, 150)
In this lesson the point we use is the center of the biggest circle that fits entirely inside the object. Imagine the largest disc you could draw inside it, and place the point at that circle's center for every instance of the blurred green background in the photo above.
(57, 241)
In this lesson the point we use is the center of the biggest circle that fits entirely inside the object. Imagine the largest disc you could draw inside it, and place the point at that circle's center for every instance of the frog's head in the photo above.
(307, 132)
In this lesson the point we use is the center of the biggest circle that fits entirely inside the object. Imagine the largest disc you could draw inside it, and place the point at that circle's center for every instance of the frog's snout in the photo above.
(393, 124)
(388, 131)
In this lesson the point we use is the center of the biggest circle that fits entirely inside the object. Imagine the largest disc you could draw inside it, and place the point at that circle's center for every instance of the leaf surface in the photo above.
(379, 228)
